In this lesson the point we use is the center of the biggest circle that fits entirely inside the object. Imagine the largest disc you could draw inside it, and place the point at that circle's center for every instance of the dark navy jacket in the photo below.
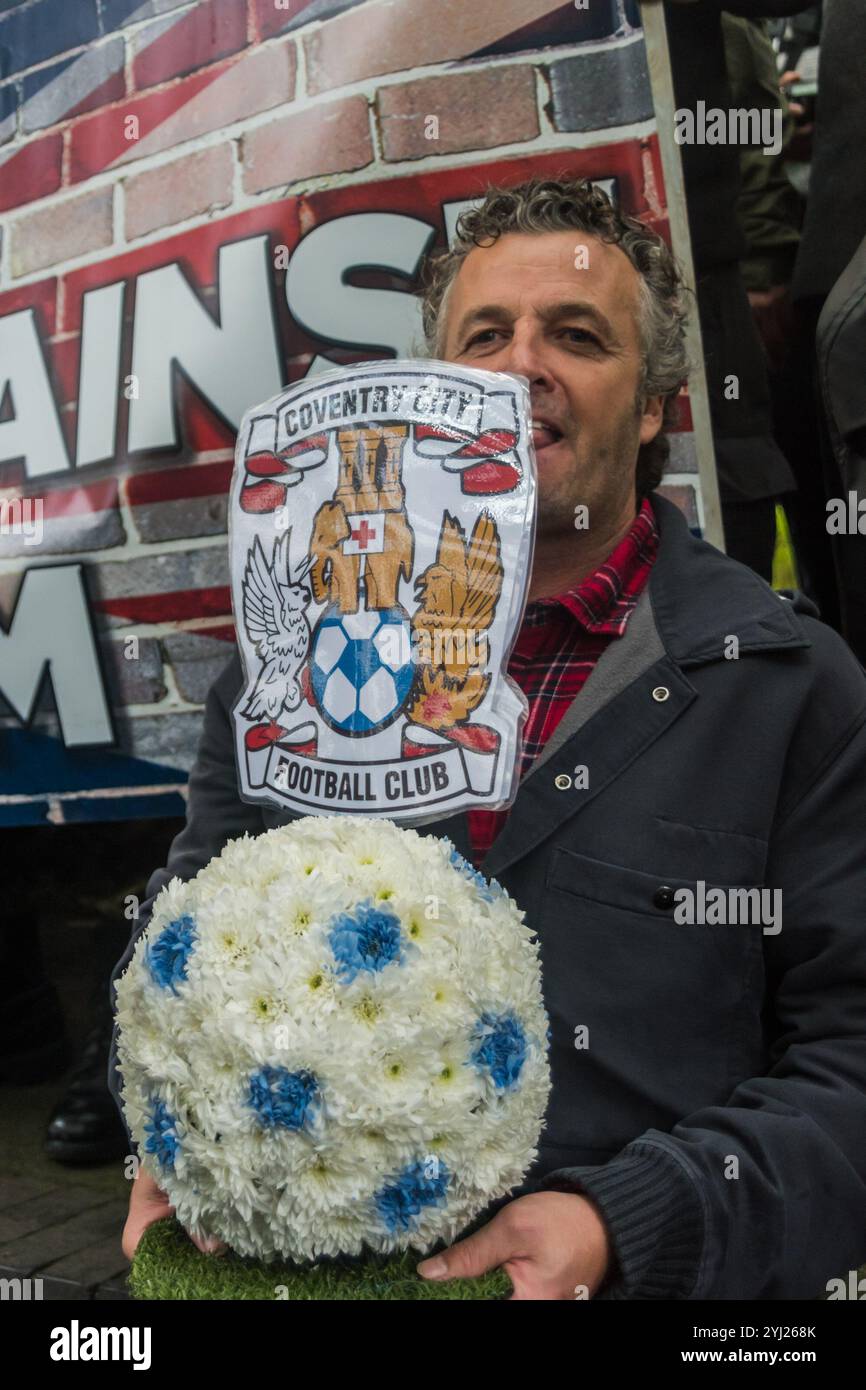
(717, 1114)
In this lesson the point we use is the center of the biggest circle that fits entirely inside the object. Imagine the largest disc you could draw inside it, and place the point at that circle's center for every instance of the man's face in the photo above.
(522, 306)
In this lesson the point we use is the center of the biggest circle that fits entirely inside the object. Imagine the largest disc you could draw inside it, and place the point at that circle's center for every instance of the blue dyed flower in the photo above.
(485, 889)
(162, 1141)
(501, 1048)
(281, 1097)
(168, 954)
(367, 939)
(422, 1184)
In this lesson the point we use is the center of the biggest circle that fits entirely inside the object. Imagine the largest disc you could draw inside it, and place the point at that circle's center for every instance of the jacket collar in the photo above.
(701, 598)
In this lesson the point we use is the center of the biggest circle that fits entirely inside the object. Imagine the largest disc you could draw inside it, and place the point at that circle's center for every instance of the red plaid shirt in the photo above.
(559, 643)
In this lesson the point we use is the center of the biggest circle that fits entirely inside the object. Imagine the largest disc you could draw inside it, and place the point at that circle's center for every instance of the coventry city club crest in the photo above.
(382, 521)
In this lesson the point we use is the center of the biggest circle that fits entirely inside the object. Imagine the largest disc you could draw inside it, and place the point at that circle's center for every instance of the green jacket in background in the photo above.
(768, 206)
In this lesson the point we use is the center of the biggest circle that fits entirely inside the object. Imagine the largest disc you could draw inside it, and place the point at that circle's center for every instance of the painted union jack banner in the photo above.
(200, 204)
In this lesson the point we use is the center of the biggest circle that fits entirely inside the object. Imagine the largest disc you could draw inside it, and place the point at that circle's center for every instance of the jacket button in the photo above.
(661, 693)
(562, 782)
(663, 897)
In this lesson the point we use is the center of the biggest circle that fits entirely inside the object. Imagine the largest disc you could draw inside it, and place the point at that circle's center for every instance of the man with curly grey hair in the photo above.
(685, 839)
(549, 281)
(574, 208)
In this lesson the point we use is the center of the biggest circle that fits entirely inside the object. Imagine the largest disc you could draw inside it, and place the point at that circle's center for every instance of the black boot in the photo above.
(85, 1127)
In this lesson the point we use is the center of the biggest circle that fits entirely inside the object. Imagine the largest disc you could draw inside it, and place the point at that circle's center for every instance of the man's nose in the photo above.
(526, 354)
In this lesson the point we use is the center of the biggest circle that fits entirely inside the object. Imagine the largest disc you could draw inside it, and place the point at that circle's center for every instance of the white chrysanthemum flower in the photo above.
(333, 1040)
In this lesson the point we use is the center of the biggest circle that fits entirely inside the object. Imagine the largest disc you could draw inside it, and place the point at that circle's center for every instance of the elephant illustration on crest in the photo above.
(361, 538)
(334, 575)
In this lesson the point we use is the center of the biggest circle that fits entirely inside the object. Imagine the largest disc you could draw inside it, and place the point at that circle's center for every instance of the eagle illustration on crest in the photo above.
(275, 604)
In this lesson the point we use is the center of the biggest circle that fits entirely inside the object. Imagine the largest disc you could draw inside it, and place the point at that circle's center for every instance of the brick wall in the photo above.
(132, 133)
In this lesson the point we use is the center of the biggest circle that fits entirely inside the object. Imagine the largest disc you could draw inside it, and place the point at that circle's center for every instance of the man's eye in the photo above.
(583, 335)
(476, 337)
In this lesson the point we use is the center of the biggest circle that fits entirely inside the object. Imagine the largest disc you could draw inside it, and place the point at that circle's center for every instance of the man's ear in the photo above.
(652, 413)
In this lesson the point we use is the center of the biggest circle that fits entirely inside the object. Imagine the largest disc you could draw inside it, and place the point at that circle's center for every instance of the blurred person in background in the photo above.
(752, 469)
(831, 247)
(770, 212)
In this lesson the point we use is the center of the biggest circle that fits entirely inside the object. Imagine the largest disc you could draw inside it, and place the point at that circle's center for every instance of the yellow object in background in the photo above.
(785, 574)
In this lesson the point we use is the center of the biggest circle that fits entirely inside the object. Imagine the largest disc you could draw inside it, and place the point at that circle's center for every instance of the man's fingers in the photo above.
(129, 1241)
(485, 1249)
(136, 1225)
(147, 1204)
(138, 1221)
(208, 1245)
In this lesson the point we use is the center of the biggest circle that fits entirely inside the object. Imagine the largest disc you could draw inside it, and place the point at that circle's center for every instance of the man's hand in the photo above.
(551, 1244)
(796, 108)
(774, 320)
(147, 1204)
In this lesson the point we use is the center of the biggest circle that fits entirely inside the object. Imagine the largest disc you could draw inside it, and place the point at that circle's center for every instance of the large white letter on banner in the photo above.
(51, 627)
(229, 362)
(101, 328)
(320, 300)
(34, 432)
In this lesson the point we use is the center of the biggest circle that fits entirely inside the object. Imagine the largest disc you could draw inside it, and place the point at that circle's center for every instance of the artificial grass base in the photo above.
(168, 1266)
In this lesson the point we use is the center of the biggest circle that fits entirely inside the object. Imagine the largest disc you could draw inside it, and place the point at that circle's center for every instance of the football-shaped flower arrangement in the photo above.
(333, 1042)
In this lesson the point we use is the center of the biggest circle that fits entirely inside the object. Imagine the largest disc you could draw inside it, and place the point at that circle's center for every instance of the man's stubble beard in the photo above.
(557, 513)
